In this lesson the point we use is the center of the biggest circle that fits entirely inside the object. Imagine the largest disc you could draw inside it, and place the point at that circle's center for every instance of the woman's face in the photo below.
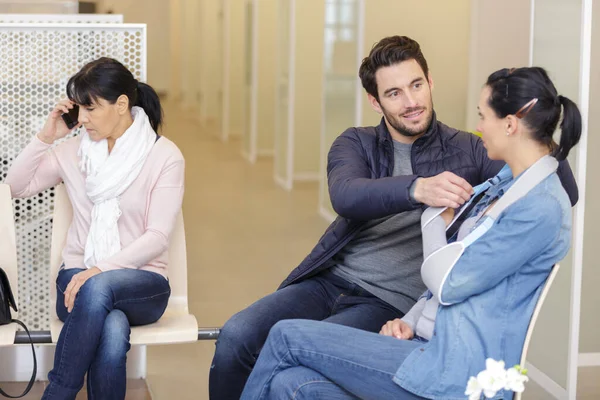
(101, 119)
(493, 129)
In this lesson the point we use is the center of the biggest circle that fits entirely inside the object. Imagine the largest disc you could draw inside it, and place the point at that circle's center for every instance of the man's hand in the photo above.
(398, 329)
(443, 190)
(76, 283)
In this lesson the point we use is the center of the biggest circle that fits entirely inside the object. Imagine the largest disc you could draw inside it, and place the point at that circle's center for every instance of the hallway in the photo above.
(244, 235)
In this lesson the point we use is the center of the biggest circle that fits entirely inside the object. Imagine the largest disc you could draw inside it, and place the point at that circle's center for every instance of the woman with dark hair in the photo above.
(484, 268)
(125, 183)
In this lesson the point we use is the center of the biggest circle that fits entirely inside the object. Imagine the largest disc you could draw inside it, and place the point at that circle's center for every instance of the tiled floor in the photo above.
(244, 235)
(136, 390)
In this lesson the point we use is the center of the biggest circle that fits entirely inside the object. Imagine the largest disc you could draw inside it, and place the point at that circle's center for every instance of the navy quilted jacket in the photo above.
(362, 188)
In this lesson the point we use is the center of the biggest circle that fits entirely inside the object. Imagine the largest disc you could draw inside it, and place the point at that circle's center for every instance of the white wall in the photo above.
(340, 95)
(310, 21)
(442, 29)
(39, 6)
(590, 323)
(552, 328)
(267, 72)
(175, 55)
(493, 47)
(191, 40)
(211, 63)
(159, 32)
(236, 31)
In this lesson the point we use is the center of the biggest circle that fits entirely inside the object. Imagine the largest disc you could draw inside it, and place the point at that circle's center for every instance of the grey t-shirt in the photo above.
(385, 257)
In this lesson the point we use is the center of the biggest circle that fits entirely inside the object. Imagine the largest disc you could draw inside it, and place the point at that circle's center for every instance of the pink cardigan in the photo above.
(149, 206)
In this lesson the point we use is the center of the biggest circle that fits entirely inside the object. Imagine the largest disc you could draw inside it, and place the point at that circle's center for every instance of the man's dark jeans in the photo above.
(325, 297)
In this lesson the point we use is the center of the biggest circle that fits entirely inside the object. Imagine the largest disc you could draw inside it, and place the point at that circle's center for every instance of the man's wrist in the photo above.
(411, 191)
(409, 321)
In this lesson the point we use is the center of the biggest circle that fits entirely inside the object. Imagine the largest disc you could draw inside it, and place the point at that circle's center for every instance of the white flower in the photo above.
(473, 389)
(515, 380)
(495, 367)
(493, 378)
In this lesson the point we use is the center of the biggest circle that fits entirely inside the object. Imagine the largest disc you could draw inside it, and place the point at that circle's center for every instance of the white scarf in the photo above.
(107, 177)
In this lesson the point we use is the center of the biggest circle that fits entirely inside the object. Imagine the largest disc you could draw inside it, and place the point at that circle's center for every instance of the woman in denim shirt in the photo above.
(483, 307)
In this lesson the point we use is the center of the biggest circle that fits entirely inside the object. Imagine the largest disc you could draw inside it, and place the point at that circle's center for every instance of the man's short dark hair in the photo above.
(389, 51)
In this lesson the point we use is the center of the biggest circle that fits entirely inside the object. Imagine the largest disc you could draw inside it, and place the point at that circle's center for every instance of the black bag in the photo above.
(7, 301)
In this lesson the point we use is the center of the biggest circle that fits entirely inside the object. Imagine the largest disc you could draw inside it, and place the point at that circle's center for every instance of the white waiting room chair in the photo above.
(177, 325)
(8, 258)
(534, 316)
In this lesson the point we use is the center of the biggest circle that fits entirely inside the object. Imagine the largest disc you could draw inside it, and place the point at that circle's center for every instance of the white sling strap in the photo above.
(439, 264)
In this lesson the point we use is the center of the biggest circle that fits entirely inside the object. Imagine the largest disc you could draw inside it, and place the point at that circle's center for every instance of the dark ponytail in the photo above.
(512, 92)
(149, 101)
(107, 78)
(570, 128)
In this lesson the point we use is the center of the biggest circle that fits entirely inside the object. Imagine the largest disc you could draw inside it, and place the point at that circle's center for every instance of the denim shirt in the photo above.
(492, 291)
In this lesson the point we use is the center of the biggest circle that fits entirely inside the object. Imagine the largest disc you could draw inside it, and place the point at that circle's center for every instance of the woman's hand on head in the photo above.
(55, 128)
(76, 283)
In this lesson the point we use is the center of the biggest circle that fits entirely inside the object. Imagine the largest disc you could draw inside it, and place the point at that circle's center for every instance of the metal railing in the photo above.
(44, 337)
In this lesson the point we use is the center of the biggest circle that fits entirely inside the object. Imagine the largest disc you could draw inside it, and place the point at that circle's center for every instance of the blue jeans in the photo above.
(324, 297)
(317, 360)
(95, 336)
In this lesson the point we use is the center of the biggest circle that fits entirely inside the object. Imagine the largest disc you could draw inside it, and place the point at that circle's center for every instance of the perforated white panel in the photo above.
(36, 63)
(62, 18)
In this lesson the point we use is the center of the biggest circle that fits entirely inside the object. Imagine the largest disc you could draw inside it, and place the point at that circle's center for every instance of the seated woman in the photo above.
(484, 287)
(125, 183)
